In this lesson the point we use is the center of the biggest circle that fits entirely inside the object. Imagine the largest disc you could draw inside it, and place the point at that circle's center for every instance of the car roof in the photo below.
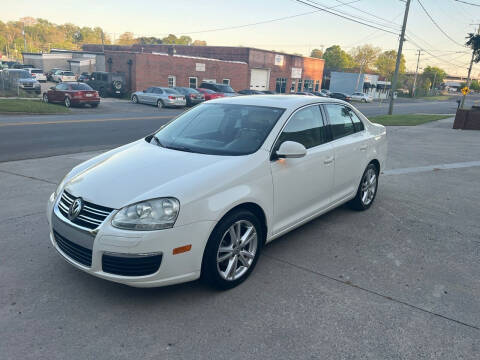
(281, 101)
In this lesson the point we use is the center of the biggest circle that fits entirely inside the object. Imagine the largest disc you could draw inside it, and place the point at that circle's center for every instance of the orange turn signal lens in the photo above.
(182, 249)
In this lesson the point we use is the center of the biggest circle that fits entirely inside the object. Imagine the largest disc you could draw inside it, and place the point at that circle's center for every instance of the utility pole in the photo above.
(24, 39)
(416, 73)
(103, 42)
(469, 70)
(399, 58)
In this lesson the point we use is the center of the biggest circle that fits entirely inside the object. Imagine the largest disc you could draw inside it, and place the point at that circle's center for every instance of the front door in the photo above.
(302, 185)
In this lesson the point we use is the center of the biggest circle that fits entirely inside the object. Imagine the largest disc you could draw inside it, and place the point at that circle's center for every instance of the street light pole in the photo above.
(469, 72)
(399, 58)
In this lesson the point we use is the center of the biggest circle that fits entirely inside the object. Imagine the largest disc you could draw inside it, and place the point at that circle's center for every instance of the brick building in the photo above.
(241, 67)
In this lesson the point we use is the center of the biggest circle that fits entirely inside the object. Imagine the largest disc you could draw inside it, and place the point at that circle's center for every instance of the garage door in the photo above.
(259, 79)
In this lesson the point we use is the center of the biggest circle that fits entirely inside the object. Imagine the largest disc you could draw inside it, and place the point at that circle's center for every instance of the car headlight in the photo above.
(155, 214)
(59, 188)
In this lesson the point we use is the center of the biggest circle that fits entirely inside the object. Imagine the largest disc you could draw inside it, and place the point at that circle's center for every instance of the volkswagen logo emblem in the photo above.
(75, 208)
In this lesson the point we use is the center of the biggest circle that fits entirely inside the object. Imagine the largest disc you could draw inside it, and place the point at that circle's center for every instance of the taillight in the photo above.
(171, 97)
(77, 94)
(192, 96)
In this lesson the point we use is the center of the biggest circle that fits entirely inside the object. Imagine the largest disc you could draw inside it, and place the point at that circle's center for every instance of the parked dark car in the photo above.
(50, 73)
(226, 90)
(341, 96)
(326, 92)
(84, 77)
(319, 93)
(192, 96)
(108, 84)
(71, 94)
(250, 92)
(306, 93)
(269, 92)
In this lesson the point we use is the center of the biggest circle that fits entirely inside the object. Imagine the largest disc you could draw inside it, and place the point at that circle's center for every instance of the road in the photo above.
(118, 122)
(399, 281)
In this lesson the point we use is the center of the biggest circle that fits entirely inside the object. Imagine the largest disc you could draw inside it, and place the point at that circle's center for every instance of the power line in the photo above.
(468, 3)
(432, 55)
(438, 26)
(346, 17)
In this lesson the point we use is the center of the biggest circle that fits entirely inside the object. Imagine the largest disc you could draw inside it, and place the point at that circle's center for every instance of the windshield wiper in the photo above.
(180, 148)
(157, 141)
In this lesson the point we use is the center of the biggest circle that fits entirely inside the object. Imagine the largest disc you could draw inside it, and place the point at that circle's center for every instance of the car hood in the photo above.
(144, 171)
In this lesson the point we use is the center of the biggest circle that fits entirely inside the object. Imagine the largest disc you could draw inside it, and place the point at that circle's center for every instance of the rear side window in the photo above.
(340, 121)
(80, 86)
(356, 121)
(305, 127)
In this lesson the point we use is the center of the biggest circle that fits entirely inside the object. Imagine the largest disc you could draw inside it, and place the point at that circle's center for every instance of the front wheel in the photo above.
(45, 98)
(232, 250)
(367, 190)
(67, 102)
(135, 99)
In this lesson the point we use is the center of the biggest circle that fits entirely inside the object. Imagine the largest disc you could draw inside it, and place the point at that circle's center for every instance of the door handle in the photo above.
(328, 160)
(363, 148)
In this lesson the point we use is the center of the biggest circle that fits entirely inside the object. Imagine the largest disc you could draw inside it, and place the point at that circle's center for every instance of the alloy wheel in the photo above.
(369, 186)
(45, 98)
(237, 250)
(67, 102)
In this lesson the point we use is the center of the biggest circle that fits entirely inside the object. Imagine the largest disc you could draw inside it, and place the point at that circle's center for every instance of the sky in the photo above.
(299, 34)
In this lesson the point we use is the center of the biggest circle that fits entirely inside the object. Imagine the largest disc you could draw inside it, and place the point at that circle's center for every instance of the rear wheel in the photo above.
(367, 190)
(232, 250)
(159, 104)
(135, 99)
(45, 98)
(364, 100)
(102, 92)
(67, 102)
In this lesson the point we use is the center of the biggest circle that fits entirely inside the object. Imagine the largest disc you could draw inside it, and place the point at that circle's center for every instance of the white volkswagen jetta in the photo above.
(202, 195)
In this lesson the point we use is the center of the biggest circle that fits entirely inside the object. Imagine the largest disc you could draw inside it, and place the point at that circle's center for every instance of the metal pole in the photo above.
(416, 74)
(469, 72)
(434, 79)
(399, 58)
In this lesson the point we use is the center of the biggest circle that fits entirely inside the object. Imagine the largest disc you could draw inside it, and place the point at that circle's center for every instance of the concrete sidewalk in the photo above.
(398, 281)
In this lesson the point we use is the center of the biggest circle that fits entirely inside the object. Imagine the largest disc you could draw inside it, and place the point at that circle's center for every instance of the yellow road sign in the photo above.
(465, 90)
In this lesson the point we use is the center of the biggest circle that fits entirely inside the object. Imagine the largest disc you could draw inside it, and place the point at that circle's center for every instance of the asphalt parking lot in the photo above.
(400, 281)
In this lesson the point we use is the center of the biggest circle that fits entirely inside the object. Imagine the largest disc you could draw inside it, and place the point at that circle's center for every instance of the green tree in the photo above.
(126, 38)
(365, 56)
(386, 61)
(434, 73)
(337, 59)
(475, 85)
(148, 40)
(316, 53)
(473, 43)
(199, 43)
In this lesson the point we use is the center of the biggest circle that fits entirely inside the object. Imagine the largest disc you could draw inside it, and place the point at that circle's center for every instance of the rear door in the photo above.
(350, 144)
(302, 186)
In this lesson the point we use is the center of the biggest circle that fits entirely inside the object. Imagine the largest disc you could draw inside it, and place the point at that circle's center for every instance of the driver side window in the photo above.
(305, 127)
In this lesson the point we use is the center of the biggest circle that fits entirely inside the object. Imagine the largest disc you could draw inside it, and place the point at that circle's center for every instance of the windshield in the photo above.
(225, 88)
(81, 87)
(36, 71)
(220, 129)
(170, 91)
(23, 74)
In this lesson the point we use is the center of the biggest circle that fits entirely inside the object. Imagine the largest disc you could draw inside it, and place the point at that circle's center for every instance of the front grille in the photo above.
(131, 266)
(27, 85)
(91, 215)
(74, 251)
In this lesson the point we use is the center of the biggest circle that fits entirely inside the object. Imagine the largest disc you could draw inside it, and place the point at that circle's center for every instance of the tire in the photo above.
(93, 105)
(102, 92)
(364, 100)
(367, 190)
(67, 102)
(241, 259)
(159, 104)
(135, 99)
(45, 98)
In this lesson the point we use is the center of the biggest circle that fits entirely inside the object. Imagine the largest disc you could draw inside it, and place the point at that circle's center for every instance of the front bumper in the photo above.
(109, 241)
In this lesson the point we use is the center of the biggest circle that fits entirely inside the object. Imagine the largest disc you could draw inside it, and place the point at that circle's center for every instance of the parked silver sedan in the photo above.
(159, 96)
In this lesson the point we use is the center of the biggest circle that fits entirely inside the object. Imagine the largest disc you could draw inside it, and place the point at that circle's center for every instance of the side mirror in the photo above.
(291, 149)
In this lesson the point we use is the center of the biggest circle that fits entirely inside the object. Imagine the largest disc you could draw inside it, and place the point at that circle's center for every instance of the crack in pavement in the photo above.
(28, 177)
(348, 283)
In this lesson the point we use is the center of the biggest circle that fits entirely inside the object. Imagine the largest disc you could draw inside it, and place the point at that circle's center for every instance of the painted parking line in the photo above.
(77, 121)
(428, 168)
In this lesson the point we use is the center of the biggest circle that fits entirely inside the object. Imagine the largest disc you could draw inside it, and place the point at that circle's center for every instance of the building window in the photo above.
(308, 85)
(299, 88)
(192, 82)
(281, 85)
(172, 81)
(226, 81)
(317, 85)
(292, 87)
